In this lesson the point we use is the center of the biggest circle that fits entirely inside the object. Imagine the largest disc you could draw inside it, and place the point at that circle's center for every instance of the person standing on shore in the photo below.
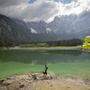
(45, 72)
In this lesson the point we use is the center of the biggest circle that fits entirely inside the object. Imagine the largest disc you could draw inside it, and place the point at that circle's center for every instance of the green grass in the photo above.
(59, 62)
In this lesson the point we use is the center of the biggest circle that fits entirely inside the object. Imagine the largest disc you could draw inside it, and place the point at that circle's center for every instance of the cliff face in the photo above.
(13, 30)
(17, 31)
(61, 28)
(71, 26)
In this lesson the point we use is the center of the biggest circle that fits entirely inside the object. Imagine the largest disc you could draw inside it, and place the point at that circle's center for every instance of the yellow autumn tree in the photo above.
(86, 44)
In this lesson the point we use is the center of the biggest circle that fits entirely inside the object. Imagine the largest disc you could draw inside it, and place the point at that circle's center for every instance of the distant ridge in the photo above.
(61, 28)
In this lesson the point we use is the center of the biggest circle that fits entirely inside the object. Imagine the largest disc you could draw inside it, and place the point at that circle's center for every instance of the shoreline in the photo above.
(36, 81)
(44, 48)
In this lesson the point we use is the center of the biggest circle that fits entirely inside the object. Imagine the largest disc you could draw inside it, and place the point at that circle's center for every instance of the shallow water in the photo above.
(65, 62)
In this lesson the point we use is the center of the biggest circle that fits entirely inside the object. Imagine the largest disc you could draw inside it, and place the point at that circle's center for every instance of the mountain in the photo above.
(71, 26)
(62, 27)
(40, 32)
(65, 27)
(13, 31)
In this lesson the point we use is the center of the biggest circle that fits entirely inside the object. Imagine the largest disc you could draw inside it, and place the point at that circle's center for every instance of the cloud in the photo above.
(32, 1)
(75, 7)
(40, 10)
(29, 10)
(6, 3)
(13, 8)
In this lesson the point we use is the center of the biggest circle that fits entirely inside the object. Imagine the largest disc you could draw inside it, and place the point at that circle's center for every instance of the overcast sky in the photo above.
(29, 10)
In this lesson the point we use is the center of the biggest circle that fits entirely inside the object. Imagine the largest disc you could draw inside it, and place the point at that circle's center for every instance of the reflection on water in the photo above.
(42, 57)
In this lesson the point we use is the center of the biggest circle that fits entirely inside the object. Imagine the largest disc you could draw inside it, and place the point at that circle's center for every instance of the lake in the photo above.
(64, 62)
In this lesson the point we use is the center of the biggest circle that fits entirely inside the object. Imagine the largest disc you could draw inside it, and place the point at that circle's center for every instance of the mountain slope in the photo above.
(13, 31)
(61, 28)
(71, 26)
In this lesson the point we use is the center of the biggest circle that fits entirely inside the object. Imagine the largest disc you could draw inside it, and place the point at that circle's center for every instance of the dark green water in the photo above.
(43, 57)
(63, 62)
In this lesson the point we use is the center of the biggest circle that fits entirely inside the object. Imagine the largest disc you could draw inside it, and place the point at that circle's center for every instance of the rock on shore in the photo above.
(38, 81)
